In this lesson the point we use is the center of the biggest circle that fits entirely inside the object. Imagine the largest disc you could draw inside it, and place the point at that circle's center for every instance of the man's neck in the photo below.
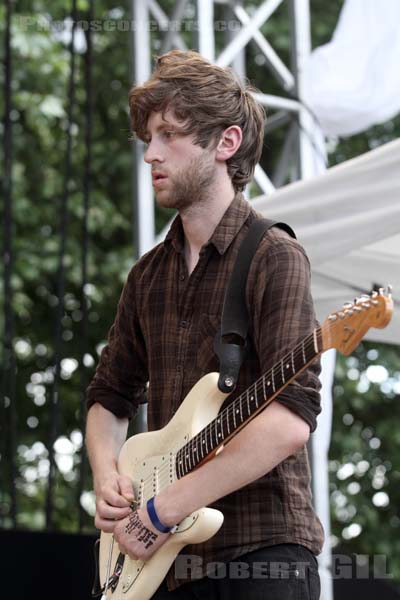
(200, 220)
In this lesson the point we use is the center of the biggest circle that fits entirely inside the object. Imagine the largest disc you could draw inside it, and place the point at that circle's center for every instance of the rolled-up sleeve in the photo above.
(282, 309)
(121, 377)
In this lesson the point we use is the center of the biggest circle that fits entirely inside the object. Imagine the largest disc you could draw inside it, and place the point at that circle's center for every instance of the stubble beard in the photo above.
(192, 185)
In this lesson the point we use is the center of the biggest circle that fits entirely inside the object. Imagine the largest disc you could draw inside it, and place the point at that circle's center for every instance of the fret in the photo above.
(319, 334)
(299, 359)
(201, 447)
(255, 394)
(211, 439)
(278, 377)
(190, 454)
(234, 414)
(273, 380)
(219, 434)
(206, 439)
(315, 341)
(283, 372)
(215, 432)
(193, 455)
(180, 463)
(310, 350)
(183, 462)
(241, 407)
(248, 403)
(224, 431)
(293, 368)
(194, 452)
(304, 354)
(227, 421)
(207, 451)
(264, 391)
(187, 459)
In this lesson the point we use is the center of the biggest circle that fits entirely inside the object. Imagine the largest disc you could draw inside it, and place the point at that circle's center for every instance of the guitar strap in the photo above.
(231, 343)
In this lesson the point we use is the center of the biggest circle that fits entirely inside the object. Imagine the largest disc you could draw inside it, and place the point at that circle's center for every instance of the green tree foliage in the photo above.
(41, 70)
(365, 458)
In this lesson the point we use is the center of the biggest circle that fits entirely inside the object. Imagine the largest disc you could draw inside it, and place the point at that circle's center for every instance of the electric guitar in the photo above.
(198, 430)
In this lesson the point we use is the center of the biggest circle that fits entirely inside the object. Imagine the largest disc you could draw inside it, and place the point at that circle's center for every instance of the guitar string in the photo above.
(301, 349)
(237, 405)
(233, 407)
(229, 411)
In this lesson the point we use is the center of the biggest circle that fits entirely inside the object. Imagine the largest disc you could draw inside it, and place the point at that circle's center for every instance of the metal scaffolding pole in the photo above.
(142, 192)
(303, 144)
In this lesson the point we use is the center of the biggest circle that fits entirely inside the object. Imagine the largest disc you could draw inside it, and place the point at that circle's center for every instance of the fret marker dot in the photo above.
(268, 383)
(219, 435)
(237, 411)
(287, 366)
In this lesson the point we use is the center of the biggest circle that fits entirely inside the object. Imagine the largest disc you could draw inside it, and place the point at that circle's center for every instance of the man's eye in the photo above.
(168, 134)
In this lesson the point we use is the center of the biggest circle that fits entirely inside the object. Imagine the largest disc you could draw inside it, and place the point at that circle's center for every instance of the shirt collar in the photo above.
(224, 233)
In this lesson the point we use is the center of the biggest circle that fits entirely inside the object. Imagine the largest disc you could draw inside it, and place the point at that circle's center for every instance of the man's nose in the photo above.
(152, 153)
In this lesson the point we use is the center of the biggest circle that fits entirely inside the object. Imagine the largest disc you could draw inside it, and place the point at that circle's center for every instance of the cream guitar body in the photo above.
(199, 430)
(150, 460)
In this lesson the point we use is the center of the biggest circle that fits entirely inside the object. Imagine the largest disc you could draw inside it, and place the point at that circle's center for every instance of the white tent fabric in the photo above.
(348, 219)
(354, 81)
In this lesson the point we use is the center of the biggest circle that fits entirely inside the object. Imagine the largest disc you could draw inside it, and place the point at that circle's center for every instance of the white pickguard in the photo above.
(149, 459)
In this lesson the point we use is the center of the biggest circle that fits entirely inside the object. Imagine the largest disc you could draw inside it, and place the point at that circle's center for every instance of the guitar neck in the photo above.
(236, 415)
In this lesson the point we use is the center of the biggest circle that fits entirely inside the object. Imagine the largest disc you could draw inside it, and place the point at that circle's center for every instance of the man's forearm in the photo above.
(265, 442)
(105, 434)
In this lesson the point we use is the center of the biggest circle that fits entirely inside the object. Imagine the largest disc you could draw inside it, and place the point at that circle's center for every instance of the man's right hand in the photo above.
(114, 494)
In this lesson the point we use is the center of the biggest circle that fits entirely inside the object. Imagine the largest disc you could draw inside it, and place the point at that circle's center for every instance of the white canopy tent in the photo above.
(348, 219)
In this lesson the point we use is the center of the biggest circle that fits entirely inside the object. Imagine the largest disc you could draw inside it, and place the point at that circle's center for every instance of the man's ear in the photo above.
(229, 143)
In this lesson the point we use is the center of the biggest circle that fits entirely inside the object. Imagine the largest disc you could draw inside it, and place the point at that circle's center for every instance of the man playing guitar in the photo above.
(204, 134)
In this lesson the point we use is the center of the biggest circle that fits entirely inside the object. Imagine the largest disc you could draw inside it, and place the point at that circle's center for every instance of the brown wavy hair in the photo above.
(208, 99)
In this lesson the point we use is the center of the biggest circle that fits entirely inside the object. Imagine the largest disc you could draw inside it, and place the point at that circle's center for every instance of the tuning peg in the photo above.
(389, 290)
(348, 305)
(364, 297)
(374, 294)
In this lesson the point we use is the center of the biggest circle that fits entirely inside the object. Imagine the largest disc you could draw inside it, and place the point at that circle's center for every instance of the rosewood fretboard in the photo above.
(230, 420)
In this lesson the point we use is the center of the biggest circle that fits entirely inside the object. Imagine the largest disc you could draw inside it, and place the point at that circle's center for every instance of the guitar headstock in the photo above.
(345, 328)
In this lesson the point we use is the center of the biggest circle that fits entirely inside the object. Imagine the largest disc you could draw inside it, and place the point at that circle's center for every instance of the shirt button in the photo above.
(182, 277)
(184, 323)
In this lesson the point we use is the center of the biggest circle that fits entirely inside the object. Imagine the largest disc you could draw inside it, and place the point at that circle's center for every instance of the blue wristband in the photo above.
(151, 510)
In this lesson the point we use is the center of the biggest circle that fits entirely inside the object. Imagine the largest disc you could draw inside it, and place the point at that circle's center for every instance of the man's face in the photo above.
(182, 171)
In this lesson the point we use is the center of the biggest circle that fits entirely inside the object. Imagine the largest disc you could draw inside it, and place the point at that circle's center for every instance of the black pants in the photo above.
(282, 572)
